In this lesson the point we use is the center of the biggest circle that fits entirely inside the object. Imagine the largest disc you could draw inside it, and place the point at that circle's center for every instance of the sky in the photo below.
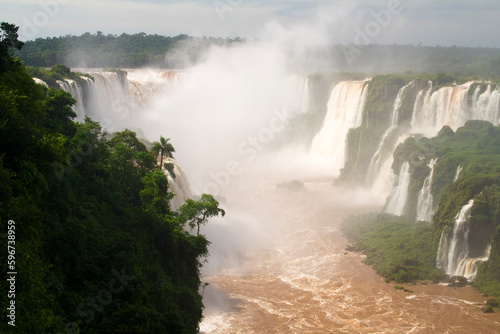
(427, 22)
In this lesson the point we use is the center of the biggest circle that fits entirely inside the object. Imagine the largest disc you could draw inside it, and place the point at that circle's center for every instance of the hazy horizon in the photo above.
(428, 23)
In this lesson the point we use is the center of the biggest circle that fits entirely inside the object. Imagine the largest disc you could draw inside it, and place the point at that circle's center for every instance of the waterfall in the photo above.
(457, 173)
(397, 201)
(146, 85)
(41, 82)
(434, 109)
(296, 96)
(453, 253)
(110, 97)
(178, 184)
(382, 185)
(446, 106)
(450, 106)
(374, 166)
(425, 201)
(79, 93)
(344, 112)
(421, 102)
(486, 106)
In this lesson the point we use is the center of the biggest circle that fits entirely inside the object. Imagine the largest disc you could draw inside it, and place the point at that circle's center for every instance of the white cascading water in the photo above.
(453, 253)
(111, 97)
(397, 201)
(374, 167)
(457, 173)
(179, 185)
(421, 100)
(296, 96)
(451, 106)
(345, 111)
(41, 82)
(383, 185)
(425, 205)
(486, 106)
(146, 85)
(78, 91)
(446, 106)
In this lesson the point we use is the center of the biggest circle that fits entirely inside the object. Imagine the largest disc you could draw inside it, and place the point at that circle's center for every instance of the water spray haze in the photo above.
(229, 107)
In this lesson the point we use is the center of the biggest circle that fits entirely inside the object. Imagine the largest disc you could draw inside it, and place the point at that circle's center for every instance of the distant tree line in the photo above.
(385, 59)
(124, 51)
(140, 50)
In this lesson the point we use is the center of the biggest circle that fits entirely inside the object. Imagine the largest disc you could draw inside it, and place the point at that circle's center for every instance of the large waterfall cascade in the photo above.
(452, 106)
(425, 205)
(446, 106)
(78, 91)
(486, 106)
(112, 96)
(374, 167)
(397, 202)
(345, 111)
(453, 253)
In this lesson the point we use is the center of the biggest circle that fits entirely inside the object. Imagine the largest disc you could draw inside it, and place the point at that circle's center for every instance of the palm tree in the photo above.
(163, 147)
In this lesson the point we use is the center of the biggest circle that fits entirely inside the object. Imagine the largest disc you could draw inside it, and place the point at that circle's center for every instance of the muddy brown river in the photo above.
(300, 279)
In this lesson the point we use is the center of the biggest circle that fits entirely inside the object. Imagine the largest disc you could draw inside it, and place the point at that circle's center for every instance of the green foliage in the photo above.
(475, 147)
(493, 302)
(398, 248)
(59, 113)
(162, 148)
(487, 278)
(196, 213)
(155, 195)
(88, 207)
(138, 50)
(454, 61)
(123, 51)
(9, 36)
(488, 309)
(56, 72)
